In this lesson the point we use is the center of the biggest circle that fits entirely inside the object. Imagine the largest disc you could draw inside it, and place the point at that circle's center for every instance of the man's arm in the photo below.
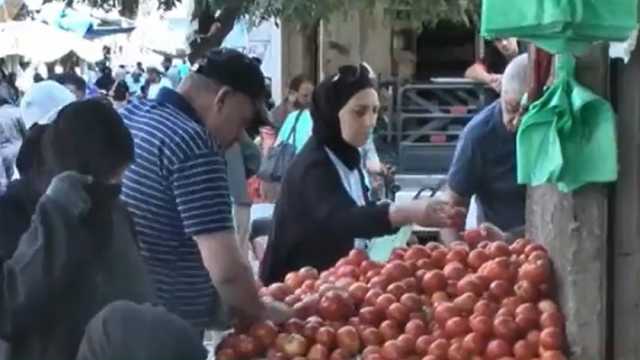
(230, 273)
(462, 181)
(201, 191)
(478, 72)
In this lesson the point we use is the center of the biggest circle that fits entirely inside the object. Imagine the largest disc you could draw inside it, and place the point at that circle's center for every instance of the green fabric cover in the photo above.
(568, 136)
(560, 26)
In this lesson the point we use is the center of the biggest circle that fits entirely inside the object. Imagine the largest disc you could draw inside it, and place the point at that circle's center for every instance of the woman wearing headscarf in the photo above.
(127, 331)
(77, 253)
(324, 206)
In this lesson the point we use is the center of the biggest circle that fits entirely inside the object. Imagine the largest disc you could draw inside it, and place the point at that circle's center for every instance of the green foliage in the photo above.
(406, 12)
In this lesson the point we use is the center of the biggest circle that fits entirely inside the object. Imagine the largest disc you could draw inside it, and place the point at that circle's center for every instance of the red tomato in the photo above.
(336, 306)
(552, 319)
(552, 339)
(499, 249)
(412, 301)
(416, 328)
(444, 312)
(279, 291)
(434, 281)
(486, 308)
(398, 313)
(457, 352)
(454, 271)
(473, 237)
(348, 340)
(538, 272)
(340, 354)
(523, 350)
(265, 333)
(318, 352)
(465, 303)
(326, 336)
(500, 289)
(293, 280)
(482, 325)
(358, 292)
(457, 255)
(397, 289)
(371, 316)
(439, 349)
(470, 284)
(392, 350)
(372, 337)
(553, 355)
(416, 253)
(423, 343)
(477, 258)
(547, 305)
(407, 343)
(457, 327)
(497, 349)
(390, 330)
(396, 271)
(372, 296)
(371, 350)
(474, 343)
(384, 302)
(506, 328)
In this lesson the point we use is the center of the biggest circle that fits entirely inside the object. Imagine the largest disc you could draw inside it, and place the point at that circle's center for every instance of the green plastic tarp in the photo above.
(568, 136)
(560, 26)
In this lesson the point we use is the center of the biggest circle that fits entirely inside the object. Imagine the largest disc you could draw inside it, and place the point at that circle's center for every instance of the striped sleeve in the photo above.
(201, 190)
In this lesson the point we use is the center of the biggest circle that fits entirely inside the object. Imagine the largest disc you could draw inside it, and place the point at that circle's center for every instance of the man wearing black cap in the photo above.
(178, 192)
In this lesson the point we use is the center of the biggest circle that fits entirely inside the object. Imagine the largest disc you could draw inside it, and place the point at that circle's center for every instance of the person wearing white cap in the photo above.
(39, 105)
(42, 101)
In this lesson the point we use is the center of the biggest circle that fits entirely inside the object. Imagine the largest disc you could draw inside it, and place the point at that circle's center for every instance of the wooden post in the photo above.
(626, 215)
(573, 227)
(299, 52)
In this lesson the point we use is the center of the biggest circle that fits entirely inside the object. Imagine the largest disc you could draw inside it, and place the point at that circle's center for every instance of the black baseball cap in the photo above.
(238, 71)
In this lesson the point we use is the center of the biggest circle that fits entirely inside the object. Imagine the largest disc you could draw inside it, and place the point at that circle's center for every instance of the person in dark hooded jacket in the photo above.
(324, 206)
(128, 331)
(78, 253)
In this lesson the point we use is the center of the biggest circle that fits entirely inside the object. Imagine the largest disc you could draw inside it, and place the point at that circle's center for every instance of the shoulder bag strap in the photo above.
(292, 133)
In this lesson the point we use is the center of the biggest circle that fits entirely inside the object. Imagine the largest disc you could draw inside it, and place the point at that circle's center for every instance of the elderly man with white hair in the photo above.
(484, 164)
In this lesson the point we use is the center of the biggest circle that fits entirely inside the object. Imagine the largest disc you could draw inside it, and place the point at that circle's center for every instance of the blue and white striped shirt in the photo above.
(176, 189)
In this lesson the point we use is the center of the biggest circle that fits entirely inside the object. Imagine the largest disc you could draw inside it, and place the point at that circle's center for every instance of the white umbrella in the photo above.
(43, 43)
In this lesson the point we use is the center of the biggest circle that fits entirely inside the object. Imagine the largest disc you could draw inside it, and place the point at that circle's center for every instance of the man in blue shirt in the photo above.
(484, 164)
(178, 192)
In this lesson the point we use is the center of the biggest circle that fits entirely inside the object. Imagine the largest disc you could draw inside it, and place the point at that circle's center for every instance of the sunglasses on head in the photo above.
(349, 73)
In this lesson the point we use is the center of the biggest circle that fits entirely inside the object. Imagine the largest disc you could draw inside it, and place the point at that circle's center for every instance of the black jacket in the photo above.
(316, 220)
(64, 270)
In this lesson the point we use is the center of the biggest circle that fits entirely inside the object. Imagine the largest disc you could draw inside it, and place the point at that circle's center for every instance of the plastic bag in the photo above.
(380, 248)
(568, 136)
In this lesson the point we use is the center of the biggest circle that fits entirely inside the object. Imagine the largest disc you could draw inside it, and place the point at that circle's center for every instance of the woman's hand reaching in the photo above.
(428, 213)
(441, 214)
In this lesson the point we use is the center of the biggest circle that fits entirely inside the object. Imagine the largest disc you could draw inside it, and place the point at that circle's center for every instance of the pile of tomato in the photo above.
(466, 301)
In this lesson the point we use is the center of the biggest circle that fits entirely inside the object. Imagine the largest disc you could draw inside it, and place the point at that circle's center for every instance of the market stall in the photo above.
(474, 299)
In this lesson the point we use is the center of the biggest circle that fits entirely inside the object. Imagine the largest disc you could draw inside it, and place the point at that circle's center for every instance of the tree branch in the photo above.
(217, 31)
